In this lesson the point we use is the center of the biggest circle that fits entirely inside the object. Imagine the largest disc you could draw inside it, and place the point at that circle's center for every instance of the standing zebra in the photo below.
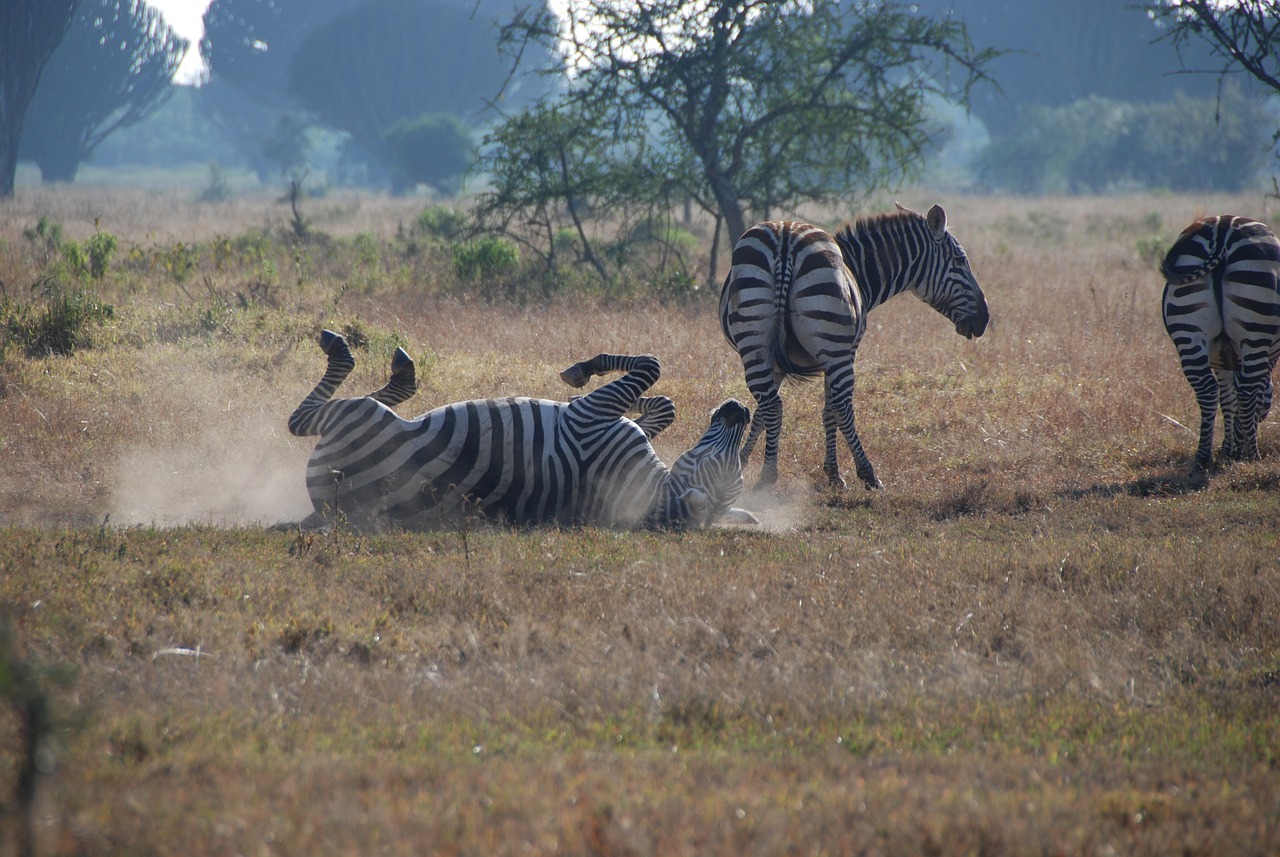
(1221, 307)
(795, 303)
(526, 461)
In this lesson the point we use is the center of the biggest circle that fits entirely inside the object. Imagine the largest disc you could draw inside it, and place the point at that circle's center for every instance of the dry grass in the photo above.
(1043, 637)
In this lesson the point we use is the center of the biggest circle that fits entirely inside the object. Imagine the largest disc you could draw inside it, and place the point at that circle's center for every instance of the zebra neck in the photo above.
(879, 275)
(671, 510)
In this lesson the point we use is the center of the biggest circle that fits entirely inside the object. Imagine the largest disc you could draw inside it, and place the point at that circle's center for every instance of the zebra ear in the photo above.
(901, 207)
(937, 220)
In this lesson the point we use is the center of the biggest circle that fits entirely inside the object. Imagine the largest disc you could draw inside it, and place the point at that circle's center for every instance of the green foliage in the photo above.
(443, 222)
(1101, 145)
(62, 323)
(485, 259)
(731, 112)
(434, 149)
(101, 246)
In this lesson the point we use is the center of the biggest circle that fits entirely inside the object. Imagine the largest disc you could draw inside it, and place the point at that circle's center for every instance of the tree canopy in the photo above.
(248, 46)
(750, 105)
(385, 62)
(30, 30)
(114, 67)
(1060, 52)
(1243, 38)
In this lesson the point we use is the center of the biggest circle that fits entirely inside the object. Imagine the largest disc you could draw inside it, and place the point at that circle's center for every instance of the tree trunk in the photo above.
(57, 166)
(8, 161)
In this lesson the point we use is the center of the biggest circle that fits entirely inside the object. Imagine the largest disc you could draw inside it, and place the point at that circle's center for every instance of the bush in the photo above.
(60, 325)
(435, 149)
(485, 259)
(101, 246)
(1101, 145)
(438, 221)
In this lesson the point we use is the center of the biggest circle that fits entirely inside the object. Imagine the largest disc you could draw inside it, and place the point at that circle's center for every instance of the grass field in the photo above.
(1043, 637)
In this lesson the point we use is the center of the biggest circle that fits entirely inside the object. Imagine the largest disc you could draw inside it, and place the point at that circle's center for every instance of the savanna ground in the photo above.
(1043, 636)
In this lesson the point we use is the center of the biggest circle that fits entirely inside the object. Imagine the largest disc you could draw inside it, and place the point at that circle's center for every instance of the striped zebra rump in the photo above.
(1221, 309)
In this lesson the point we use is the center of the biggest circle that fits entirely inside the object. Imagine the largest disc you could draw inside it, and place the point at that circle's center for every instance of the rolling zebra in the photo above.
(795, 303)
(525, 461)
(1221, 307)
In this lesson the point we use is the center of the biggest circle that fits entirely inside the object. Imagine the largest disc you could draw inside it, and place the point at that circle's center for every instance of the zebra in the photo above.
(1221, 308)
(795, 303)
(522, 460)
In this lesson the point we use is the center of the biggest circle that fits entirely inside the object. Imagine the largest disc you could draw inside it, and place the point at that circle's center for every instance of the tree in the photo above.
(549, 166)
(387, 61)
(1242, 37)
(434, 149)
(1060, 52)
(114, 68)
(757, 104)
(248, 46)
(30, 30)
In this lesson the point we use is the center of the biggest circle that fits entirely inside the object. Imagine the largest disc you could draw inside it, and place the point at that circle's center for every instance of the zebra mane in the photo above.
(865, 224)
(1214, 249)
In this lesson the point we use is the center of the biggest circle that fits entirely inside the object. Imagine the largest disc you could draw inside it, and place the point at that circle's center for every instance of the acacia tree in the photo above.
(113, 69)
(1243, 36)
(30, 30)
(759, 103)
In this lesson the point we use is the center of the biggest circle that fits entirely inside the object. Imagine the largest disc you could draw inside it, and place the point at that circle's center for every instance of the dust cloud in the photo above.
(247, 474)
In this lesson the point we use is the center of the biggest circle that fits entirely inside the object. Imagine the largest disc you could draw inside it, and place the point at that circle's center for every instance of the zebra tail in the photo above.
(783, 332)
(1184, 247)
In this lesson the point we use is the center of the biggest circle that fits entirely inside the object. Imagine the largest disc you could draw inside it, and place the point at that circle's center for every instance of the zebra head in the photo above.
(946, 281)
(708, 478)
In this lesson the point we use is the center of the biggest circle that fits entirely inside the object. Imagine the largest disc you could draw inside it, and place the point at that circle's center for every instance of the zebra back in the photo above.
(1203, 246)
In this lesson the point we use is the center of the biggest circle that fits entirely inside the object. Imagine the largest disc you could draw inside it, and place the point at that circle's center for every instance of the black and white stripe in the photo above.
(1221, 307)
(795, 303)
(521, 460)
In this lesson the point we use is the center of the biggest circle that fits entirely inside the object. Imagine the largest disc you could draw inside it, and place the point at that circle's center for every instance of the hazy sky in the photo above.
(184, 16)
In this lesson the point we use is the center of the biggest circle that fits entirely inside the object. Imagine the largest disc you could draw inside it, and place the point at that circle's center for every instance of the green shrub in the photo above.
(62, 323)
(485, 259)
(101, 246)
(439, 221)
(1098, 145)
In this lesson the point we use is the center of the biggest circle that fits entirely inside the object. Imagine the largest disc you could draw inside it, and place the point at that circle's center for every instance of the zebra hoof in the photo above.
(575, 375)
(329, 339)
(401, 363)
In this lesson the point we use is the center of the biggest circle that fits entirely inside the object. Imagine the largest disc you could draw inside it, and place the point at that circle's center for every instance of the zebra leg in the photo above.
(403, 383)
(767, 418)
(830, 465)
(1205, 386)
(839, 401)
(618, 397)
(1228, 403)
(1253, 393)
(305, 420)
(654, 414)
